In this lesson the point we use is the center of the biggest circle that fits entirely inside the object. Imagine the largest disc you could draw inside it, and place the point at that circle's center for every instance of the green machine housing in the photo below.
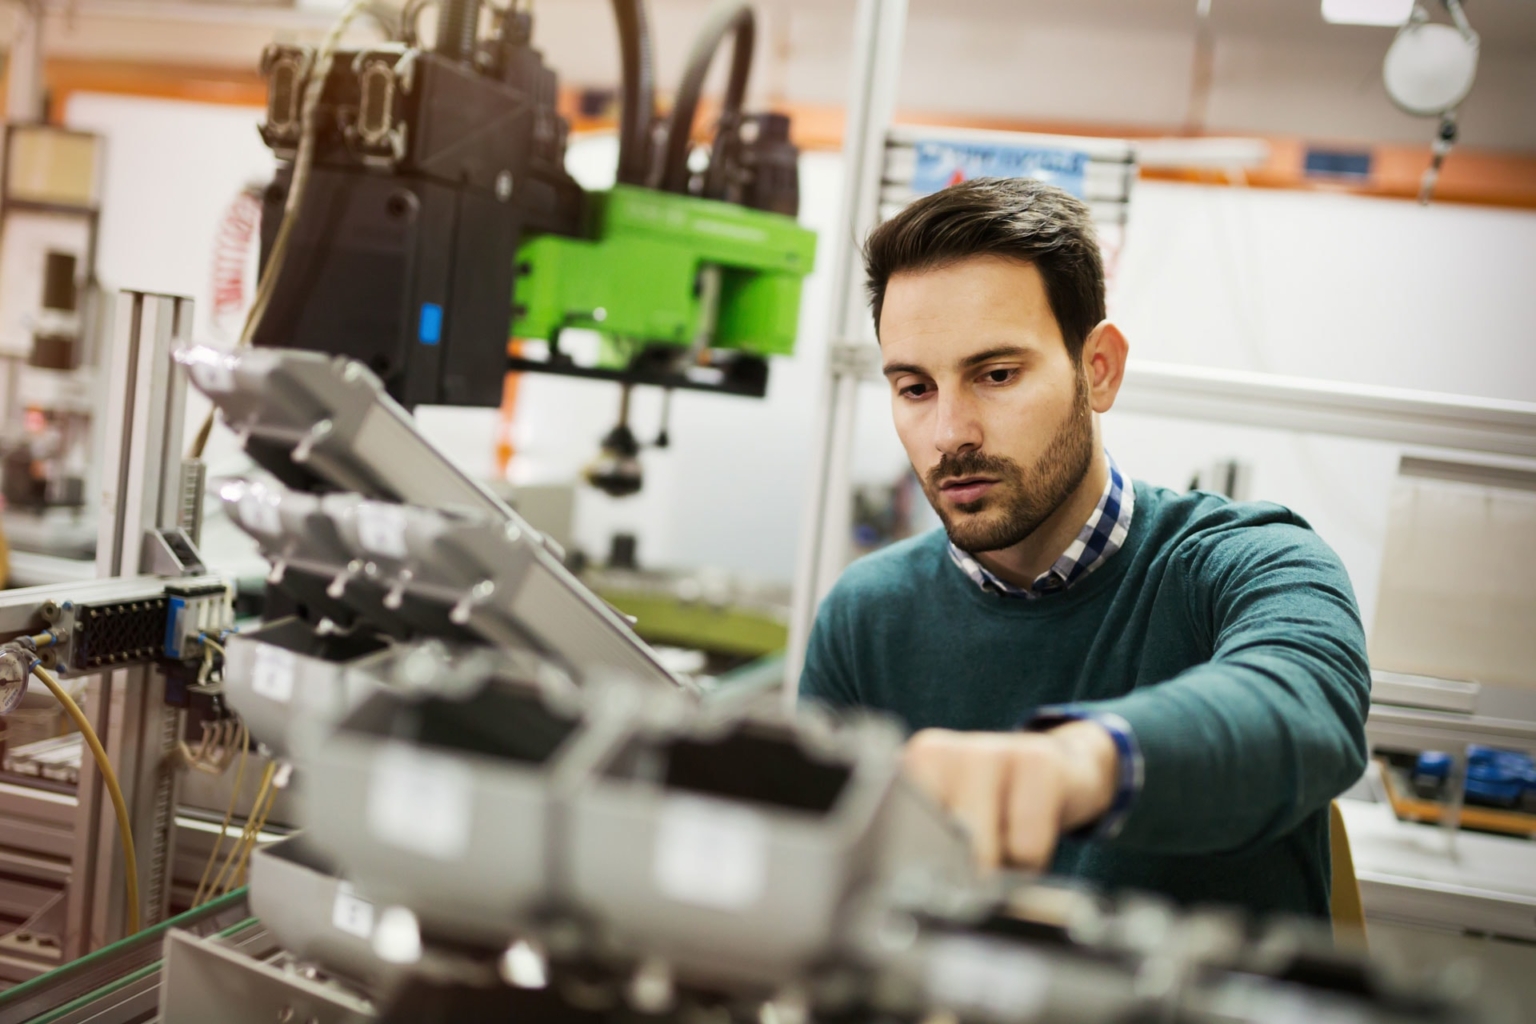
(685, 292)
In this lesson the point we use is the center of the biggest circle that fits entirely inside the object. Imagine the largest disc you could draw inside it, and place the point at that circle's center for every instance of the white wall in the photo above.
(172, 169)
(1375, 291)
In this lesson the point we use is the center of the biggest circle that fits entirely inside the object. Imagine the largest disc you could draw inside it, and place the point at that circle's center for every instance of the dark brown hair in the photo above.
(1018, 218)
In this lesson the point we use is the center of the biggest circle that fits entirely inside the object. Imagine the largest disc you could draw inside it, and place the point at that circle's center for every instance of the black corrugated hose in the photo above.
(458, 27)
(637, 99)
(727, 17)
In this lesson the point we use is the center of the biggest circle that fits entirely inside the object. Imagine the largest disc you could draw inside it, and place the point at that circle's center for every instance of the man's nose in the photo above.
(957, 429)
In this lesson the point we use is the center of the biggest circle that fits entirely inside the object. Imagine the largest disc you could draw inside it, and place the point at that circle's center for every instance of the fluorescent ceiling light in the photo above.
(1367, 12)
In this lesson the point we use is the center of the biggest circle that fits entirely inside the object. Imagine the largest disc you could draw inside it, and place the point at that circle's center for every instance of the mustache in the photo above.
(972, 463)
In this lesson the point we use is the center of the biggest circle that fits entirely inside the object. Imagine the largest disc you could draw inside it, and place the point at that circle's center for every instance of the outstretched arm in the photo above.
(1234, 752)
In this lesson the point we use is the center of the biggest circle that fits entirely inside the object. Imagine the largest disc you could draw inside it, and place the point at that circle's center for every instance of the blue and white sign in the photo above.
(941, 164)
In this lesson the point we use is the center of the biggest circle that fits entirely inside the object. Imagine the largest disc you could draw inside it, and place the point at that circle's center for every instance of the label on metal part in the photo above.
(272, 673)
(381, 529)
(711, 853)
(421, 802)
(351, 913)
(945, 162)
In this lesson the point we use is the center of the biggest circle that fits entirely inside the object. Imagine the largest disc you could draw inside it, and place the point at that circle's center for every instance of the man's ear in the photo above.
(1104, 354)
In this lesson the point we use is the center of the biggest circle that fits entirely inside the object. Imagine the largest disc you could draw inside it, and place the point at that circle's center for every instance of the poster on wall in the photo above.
(942, 163)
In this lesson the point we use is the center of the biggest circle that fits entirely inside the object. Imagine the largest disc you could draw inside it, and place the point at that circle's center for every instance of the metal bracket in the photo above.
(47, 925)
(171, 552)
(205, 980)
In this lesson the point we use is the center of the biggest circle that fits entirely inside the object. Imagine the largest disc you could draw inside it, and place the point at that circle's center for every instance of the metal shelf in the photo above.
(1309, 406)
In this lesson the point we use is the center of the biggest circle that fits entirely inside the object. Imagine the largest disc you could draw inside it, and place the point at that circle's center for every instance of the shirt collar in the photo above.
(1101, 536)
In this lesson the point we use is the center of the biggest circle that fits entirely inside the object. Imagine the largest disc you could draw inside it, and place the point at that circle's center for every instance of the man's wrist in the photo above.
(1129, 770)
(1091, 771)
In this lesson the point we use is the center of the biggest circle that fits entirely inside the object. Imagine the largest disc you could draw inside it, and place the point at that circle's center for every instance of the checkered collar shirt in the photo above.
(1101, 536)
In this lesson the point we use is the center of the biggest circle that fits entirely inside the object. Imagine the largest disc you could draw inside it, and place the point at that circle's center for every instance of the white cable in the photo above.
(303, 160)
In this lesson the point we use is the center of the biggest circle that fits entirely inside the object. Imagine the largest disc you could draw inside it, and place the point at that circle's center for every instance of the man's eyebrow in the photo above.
(1001, 352)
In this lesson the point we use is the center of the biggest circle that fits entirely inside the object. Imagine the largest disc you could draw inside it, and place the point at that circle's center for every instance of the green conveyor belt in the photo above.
(138, 956)
(664, 619)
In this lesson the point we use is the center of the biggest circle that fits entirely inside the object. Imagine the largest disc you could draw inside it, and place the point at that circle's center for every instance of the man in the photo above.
(1146, 689)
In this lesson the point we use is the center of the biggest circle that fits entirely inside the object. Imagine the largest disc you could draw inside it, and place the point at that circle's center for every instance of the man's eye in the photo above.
(1001, 376)
(915, 390)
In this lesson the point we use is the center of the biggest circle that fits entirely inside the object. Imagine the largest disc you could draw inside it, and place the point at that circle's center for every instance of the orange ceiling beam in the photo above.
(1470, 176)
(234, 86)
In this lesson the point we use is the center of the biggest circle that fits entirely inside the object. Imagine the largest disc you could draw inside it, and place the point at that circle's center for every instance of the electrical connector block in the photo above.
(115, 634)
(193, 612)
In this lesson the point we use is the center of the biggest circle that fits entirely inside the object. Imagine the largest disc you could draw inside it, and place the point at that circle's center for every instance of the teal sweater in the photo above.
(1225, 634)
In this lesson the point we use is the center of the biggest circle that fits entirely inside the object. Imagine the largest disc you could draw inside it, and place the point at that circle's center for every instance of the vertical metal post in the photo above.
(881, 29)
(141, 479)
(24, 71)
(141, 489)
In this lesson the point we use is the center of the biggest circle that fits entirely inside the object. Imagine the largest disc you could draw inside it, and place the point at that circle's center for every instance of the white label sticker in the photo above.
(259, 514)
(1004, 982)
(421, 802)
(272, 673)
(381, 529)
(351, 913)
(711, 853)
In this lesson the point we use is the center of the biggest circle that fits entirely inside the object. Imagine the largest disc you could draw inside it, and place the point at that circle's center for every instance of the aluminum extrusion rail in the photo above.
(96, 977)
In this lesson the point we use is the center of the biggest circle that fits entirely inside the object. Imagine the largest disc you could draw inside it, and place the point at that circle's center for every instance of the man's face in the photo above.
(992, 410)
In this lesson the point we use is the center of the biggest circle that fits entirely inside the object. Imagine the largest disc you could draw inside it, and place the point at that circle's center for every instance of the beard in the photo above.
(1021, 499)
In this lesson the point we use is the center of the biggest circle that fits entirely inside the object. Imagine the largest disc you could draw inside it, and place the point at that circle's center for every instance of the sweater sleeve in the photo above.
(1239, 750)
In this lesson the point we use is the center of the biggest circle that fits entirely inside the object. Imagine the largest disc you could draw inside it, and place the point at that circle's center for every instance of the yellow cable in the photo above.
(250, 844)
(261, 795)
(234, 798)
(234, 853)
(109, 777)
(253, 839)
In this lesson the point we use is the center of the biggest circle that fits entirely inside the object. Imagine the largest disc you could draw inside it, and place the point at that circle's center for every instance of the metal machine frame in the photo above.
(147, 497)
(324, 423)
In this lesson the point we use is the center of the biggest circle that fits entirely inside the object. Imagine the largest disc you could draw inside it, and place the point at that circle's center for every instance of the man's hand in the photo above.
(1017, 792)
